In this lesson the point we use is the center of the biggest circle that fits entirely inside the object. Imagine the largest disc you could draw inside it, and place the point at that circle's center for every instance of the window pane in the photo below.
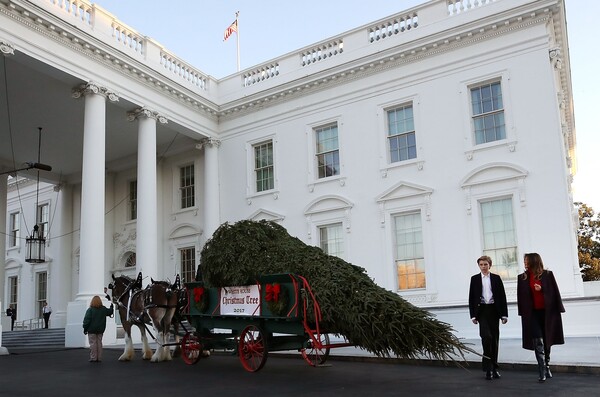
(499, 236)
(401, 135)
(263, 166)
(132, 200)
(488, 113)
(332, 240)
(188, 264)
(410, 263)
(186, 186)
(327, 151)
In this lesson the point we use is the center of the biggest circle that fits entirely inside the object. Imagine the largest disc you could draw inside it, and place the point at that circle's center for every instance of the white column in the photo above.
(6, 49)
(3, 209)
(147, 211)
(212, 218)
(91, 240)
(60, 275)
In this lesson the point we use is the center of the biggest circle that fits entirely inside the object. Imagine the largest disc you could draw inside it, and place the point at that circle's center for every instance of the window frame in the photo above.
(41, 289)
(194, 264)
(44, 225)
(471, 148)
(14, 225)
(406, 133)
(270, 166)
(499, 267)
(131, 202)
(321, 156)
(342, 244)
(183, 189)
(483, 115)
(394, 219)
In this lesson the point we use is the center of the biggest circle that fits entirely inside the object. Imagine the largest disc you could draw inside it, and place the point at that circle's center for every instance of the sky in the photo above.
(268, 29)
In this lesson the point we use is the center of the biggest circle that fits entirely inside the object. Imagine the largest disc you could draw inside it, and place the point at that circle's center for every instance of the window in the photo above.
(410, 263)
(499, 236)
(263, 166)
(186, 186)
(188, 264)
(42, 290)
(132, 200)
(488, 113)
(131, 260)
(328, 153)
(401, 134)
(12, 291)
(43, 212)
(14, 234)
(332, 240)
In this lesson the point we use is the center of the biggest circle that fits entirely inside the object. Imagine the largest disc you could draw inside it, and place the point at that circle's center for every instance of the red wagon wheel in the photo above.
(316, 355)
(252, 348)
(191, 349)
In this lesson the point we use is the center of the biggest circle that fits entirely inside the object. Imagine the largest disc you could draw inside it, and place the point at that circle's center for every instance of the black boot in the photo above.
(547, 361)
(538, 344)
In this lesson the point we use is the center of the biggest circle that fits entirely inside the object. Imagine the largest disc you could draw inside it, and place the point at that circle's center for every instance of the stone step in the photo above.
(51, 337)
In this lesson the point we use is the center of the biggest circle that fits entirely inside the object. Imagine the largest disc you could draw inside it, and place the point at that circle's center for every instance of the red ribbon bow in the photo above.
(198, 292)
(273, 291)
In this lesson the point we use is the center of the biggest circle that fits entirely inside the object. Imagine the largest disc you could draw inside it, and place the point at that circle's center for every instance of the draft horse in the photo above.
(154, 304)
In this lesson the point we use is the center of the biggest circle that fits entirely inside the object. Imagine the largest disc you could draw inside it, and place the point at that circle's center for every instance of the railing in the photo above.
(459, 6)
(32, 323)
(106, 27)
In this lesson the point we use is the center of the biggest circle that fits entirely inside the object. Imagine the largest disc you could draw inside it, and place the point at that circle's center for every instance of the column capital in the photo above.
(93, 88)
(6, 48)
(144, 112)
(208, 142)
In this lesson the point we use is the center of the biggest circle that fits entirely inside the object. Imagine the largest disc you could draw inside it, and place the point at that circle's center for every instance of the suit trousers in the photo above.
(489, 330)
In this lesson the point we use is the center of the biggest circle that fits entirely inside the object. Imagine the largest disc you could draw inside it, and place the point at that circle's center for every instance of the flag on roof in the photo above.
(230, 30)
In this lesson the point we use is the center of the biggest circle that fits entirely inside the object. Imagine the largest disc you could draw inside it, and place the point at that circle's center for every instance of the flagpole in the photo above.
(237, 39)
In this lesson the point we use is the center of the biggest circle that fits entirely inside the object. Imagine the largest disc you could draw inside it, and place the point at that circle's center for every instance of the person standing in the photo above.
(540, 306)
(12, 313)
(94, 324)
(487, 307)
(46, 312)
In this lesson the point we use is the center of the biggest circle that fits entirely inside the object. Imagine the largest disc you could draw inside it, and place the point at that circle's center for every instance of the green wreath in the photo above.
(277, 299)
(200, 299)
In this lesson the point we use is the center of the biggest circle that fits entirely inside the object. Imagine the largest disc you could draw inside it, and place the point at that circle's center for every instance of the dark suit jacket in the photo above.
(476, 292)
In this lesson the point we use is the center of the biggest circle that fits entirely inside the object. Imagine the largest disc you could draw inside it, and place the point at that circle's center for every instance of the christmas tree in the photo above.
(352, 305)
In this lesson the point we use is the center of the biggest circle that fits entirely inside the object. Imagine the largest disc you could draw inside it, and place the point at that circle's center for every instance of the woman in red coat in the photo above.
(540, 307)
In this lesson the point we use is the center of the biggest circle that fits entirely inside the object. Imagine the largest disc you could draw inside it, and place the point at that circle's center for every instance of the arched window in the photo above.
(130, 262)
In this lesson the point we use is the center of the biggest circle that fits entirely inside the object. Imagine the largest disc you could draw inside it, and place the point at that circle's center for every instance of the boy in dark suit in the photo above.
(487, 307)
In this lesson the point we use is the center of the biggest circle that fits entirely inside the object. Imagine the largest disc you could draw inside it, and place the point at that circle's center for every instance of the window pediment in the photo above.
(263, 214)
(403, 190)
(328, 204)
(184, 230)
(494, 172)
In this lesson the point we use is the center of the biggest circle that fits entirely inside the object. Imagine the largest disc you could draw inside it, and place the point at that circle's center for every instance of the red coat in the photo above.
(554, 308)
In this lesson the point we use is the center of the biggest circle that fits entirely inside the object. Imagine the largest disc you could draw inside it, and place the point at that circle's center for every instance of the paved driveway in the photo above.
(67, 372)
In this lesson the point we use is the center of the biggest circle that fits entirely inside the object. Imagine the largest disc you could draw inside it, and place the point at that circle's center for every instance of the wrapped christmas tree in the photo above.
(352, 305)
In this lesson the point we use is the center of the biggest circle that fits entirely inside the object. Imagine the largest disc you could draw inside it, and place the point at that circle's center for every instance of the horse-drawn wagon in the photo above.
(278, 313)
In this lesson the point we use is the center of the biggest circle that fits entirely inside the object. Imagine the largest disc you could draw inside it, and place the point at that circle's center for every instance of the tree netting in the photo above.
(352, 305)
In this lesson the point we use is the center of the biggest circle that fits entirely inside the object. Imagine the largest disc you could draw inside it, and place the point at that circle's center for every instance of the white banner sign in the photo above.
(243, 300)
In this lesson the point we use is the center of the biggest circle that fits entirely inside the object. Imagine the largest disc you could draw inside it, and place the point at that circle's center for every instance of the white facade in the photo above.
(447, 189)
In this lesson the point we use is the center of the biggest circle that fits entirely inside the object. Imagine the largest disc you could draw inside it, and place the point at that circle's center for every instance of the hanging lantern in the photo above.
(36, 247)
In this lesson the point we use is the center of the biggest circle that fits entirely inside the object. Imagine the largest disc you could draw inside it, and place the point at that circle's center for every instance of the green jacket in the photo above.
(94, 321)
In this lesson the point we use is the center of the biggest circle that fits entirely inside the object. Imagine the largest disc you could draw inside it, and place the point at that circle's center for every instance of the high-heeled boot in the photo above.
(547, 361)
(538, 344)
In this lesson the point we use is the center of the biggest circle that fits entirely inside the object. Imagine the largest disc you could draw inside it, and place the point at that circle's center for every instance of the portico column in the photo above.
(147, 211)
(3, 198)
(6, 49)
(212, 218)
(91, 235)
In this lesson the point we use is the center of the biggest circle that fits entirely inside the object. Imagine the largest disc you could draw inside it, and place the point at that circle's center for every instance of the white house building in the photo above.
(409, 146)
